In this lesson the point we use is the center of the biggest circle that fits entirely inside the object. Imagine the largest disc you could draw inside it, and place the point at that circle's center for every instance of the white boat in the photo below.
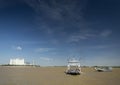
(73, 67)
(103, 69)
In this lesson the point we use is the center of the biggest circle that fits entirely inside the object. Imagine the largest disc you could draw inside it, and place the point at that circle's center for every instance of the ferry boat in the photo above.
(73, 67)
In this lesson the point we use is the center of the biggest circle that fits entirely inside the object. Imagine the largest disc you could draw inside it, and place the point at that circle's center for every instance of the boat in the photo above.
(73, 67)
(103, 69)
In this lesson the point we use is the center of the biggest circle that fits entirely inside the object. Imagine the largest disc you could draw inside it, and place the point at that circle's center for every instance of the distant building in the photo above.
(17, 61)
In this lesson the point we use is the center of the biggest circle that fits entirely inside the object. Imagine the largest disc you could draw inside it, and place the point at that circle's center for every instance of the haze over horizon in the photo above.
(51, 31)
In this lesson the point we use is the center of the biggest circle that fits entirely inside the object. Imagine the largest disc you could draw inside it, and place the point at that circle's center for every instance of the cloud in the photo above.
(57, 9)
(54, 13)
(43, 49)
(26, 42)
(18, 48)
(46, 59)
(82, 35)
(85, 34)
(101, 46)
(106, 33)
(56, 16)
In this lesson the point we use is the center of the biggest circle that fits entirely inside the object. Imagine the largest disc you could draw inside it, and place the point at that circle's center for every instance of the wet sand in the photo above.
(24, 75)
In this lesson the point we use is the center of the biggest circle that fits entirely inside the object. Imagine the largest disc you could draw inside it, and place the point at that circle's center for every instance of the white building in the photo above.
(17, 61)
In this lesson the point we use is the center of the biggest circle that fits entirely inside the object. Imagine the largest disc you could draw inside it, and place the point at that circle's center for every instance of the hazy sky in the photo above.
(51, 31)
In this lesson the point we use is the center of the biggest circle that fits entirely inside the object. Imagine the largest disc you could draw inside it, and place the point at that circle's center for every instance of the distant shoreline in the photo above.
(58, 66)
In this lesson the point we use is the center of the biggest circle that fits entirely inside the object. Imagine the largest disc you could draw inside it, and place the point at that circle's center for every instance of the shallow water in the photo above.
(56, 76)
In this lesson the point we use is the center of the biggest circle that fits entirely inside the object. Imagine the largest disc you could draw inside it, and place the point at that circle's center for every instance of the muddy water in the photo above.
(55, 76)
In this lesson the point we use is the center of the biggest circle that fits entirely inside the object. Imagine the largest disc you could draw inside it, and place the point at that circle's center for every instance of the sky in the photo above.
(52, 31)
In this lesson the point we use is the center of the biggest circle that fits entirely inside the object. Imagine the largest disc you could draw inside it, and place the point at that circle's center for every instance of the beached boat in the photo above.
(103, 69)
(73, 67)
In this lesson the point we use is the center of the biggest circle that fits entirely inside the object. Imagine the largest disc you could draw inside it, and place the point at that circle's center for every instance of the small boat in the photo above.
(73, 67)
(103, 69)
